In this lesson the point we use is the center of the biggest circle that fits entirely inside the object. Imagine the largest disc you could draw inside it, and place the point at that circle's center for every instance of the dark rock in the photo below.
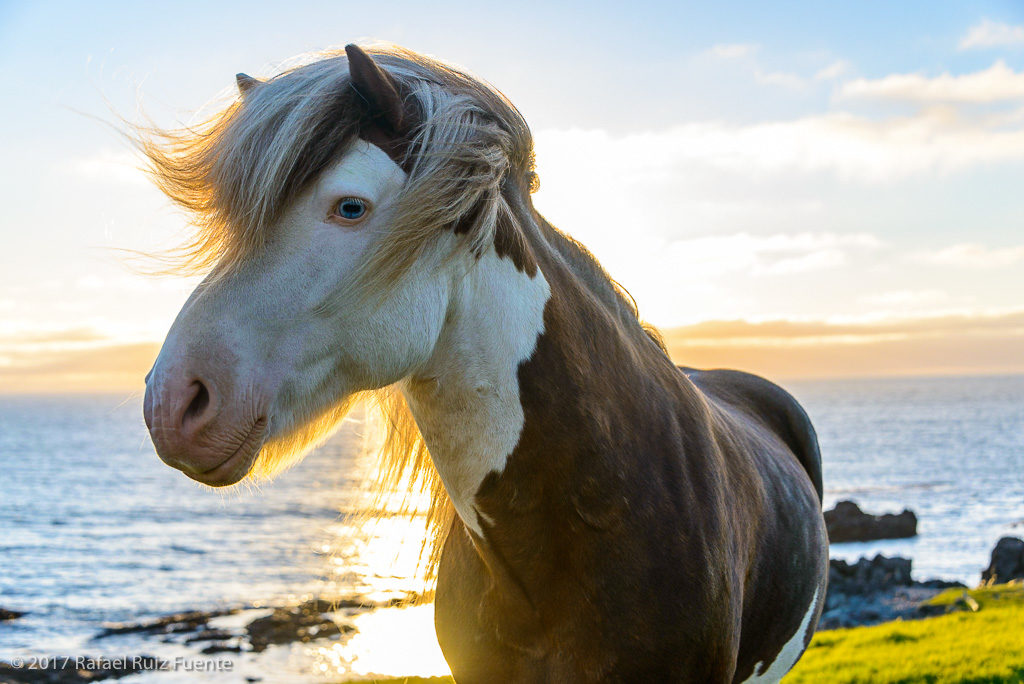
(847, 522)
(169, 624)
(75, 670)
(876, 590)
(938, 584)
(868, 576)
(322, 605)
(286, 625)
(1007, 562)
(9, 614)
(210, 635)
(221, 648)
(358, 603)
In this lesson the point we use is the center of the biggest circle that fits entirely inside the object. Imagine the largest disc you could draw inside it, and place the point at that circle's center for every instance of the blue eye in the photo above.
(351, 208)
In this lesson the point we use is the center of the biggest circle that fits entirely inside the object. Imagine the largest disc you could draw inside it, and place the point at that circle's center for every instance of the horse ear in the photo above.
(375, 86)
(246, 83)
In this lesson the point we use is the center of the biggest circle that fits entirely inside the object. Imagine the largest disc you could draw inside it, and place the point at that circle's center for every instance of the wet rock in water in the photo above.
(1007, 562)
(300, 623)
(75, 670)
(847, 522)
(877, 590)
(210, 635)
(322, 605)
(10, 614)
(188, 621)
(222, 648)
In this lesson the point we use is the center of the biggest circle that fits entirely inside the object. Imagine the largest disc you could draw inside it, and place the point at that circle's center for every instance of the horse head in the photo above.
(337, 204)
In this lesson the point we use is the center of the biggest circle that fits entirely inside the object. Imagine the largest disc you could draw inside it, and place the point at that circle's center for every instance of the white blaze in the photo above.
(466, 398)
(790, 653)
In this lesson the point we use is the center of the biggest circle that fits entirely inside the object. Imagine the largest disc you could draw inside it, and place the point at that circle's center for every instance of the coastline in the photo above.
(252, 641)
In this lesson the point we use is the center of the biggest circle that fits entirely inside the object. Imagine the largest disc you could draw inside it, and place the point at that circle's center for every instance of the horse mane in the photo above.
(591, 274)
(470, 156)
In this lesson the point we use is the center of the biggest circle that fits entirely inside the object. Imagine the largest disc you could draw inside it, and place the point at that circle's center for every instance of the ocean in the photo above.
(95, 529)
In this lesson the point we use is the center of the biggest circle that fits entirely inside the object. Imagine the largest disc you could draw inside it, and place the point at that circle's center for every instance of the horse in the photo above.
(366, 227)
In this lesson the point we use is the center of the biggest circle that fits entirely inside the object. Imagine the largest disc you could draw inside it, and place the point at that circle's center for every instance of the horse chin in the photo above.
(290, 438)
(238, 464)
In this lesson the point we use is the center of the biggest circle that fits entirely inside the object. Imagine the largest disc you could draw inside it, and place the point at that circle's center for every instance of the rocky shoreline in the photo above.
(881, 589)
(204, 632)
(876, 590)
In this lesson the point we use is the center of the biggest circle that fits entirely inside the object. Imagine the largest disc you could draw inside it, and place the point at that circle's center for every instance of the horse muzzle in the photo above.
(196, 430)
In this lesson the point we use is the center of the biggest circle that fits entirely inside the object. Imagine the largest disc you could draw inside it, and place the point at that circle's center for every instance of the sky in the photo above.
(800, 189)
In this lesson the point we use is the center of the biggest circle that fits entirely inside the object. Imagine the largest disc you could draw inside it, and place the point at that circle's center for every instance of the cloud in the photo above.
(997, 83)
(852, 147)
(909, 300)
(115, 367)
(36, 337)
(733, 50)
(781, 79)
(988, 33)
(973, 255)
(765, 255)
(802, 333)
(833, 71)
(958, 344)
(745, 52)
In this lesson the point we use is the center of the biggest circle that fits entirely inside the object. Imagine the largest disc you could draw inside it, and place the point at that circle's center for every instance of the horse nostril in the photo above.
(199, 402)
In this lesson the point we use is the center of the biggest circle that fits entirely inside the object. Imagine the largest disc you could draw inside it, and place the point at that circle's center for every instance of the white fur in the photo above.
(466, 397)
(790, 653)
(265, 317)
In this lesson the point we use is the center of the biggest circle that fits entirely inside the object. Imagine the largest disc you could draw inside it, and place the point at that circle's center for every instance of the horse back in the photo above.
(770, 404)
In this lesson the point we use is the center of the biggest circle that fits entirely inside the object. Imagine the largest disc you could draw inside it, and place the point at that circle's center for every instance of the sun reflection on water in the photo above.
(389, 642)
(379, 560)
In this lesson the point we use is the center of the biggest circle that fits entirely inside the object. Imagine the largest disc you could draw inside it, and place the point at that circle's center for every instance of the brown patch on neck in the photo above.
(509, 239)
(510, 242)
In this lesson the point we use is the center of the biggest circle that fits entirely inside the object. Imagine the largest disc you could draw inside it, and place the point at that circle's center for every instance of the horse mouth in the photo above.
(238, 464)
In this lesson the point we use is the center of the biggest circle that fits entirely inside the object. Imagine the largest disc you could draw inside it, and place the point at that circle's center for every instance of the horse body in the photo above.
(644, 525)
(616, 518)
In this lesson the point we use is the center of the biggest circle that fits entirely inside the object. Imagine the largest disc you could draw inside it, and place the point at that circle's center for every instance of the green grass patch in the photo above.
(986, 647)
(986, 596)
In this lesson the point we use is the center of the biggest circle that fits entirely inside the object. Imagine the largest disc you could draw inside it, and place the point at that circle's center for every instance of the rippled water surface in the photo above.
(94, 528)
(950, 449)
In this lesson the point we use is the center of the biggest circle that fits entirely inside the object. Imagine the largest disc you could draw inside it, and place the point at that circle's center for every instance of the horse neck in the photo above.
(515, 341)
(465, 399)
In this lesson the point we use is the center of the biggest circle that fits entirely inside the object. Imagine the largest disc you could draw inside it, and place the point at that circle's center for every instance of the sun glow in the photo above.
(390, 642)
(383, 559)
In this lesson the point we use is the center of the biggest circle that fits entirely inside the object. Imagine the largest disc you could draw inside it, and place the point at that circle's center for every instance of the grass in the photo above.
(969, 648)
(984, 647)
